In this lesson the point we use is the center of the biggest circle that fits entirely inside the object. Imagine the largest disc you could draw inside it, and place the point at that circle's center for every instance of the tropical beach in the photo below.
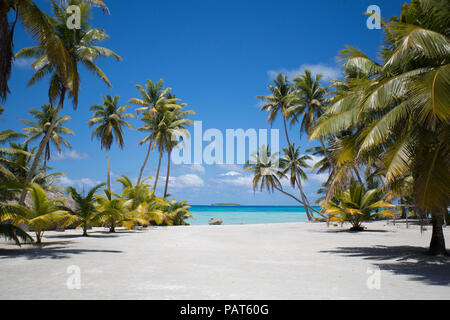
(245, 262)
(141, 159)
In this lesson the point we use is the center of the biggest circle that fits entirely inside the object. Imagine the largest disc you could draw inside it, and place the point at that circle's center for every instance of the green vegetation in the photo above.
(23, 169)
(388, 119)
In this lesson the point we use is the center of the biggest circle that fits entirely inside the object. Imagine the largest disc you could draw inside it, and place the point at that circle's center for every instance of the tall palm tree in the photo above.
(399, 109)
(153, 97)
(311, 101)
(39, 128)
(86, 207)
(283, 97)
(171, 129)
(80, 47)
(40, 27)
(110, 120)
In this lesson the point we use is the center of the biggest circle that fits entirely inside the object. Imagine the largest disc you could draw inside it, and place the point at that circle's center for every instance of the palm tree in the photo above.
(151, 126)
(39, 128)
(40, 27)
(139, 193)
(173, 213)
(86, 207)
(311, 101)
(41, 214)
(171, 130)
(399, 109)
(109, 119)
(266, 173)
(18, 164)
(283, 98)
(9, 187)
(291, 165)
(153, 97)
(5, 152)
(117, 211)
(356, 205)
(80, 47)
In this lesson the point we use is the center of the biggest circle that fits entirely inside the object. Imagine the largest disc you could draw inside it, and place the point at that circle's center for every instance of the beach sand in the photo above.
(278, 261)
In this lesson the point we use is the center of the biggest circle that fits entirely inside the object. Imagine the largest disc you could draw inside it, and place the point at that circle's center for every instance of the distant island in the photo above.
(225, 205)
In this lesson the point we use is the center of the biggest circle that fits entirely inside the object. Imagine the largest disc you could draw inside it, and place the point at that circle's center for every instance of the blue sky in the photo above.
(217, 56)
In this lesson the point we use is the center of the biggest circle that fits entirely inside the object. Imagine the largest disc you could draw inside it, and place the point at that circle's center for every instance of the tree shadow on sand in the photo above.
(408, 260)
(48, 250)
(93, 234)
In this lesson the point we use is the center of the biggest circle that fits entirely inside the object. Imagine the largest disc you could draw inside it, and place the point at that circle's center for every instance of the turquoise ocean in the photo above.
(247, 214)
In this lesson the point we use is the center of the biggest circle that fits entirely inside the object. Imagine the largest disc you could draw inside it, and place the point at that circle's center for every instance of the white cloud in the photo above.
(70, 155)
(197, 168)
(83, 183)
(230, 167)
(318, 177)
(185, 181)
(24, 63)
(326, 71)
(231, 174)
(242, 181)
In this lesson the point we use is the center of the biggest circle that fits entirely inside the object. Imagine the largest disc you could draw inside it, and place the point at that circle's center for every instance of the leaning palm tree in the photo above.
(266, 172)
(399, 109)
(38, 129)
(40, 27)
(291, 165)
(80, 47)
(110, 120)
(40, 215)
(86, 207)
(153, 98)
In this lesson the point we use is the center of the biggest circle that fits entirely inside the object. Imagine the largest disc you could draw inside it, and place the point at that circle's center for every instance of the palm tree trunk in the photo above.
(326, 154)
(437, 245)
(157, 172)
(298, 184)
(289, 195)
(38, 237)
(85, 227)
(168, 174)
(42, 146)
(108, 171)
(145, 162)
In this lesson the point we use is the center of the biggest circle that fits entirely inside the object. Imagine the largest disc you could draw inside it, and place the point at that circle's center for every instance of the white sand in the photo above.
(284, 261)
